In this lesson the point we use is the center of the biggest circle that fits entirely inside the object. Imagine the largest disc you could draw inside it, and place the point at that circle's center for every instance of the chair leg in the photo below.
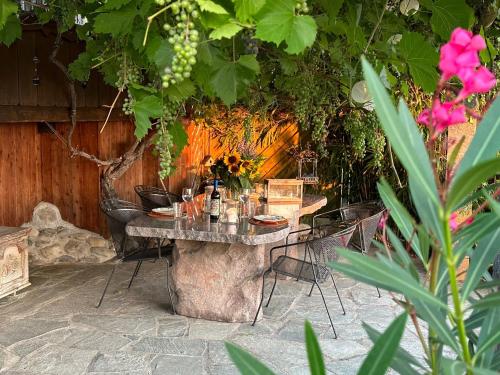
(107, 284)
(310, 292)
(338, 295)
(136, 271)
(378, 291)
(328, 312)
(272, 290)
(302, 265)
(261, 297)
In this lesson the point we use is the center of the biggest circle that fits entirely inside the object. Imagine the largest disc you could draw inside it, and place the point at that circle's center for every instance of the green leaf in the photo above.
(227, 30)
(181, 91)
(149, 106)
(449, 14)
(179, 137)
(277, 22)
(316, 364)
(246, 363)
(422, 59)
(402, 359)
(389, 276)
(232, 78)
(331, 7)
(7, 9)
(288, 65)
(400, 215)
(80, 67)
(482, 257)
(245, 9)
(210, 6)
(403, 134)
(117, 22)
(484, 145)
(11, 30)
(159, 52)
(451, 367)
(113, 4)
(492, 300)
(380, 356)
(489, 337)
(469, 180)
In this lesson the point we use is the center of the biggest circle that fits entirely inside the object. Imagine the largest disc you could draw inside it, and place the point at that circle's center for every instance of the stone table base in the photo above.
(218, 281)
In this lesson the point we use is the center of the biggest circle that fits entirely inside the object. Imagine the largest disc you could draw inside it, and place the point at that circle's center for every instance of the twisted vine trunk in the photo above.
(113, 168)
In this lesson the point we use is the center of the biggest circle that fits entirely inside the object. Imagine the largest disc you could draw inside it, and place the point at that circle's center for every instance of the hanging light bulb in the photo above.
(359, 92)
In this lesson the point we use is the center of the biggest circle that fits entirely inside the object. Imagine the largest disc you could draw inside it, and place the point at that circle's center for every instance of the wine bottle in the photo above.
(215, 203)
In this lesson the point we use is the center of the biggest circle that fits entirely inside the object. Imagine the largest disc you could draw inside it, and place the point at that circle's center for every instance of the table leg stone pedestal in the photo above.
(218, 281)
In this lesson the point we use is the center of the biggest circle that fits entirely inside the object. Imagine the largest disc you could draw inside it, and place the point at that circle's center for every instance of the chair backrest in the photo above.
(153, 197)
(118, 214)
(324, 247)
(368, 216)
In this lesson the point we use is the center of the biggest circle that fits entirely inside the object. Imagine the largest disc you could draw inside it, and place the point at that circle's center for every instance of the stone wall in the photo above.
(53, 240)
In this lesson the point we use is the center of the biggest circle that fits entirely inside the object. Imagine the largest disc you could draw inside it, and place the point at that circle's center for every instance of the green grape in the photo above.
(184, 40)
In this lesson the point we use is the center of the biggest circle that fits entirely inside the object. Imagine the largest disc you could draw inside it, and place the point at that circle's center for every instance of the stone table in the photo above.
(217, 268)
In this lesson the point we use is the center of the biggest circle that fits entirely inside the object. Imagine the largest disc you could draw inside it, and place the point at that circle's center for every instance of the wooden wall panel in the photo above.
(20, 187)
(35, 166)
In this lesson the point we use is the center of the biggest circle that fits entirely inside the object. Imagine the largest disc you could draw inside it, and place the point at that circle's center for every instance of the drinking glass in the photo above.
(187, 197)
(177, 209)
(244, 199)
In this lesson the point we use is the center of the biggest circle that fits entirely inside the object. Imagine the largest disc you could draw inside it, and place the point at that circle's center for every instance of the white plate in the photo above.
(163, 210)
(269, 218)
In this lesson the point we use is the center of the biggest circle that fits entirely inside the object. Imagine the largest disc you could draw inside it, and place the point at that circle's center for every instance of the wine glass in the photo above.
(187, 197)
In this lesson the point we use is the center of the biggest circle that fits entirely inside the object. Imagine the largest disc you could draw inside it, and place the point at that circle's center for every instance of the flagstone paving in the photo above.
(54, 328)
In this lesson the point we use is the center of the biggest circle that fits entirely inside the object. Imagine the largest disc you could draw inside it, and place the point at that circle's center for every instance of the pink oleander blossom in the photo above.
(460, 53)
(443, 115)
(475, 82)
(453, 221)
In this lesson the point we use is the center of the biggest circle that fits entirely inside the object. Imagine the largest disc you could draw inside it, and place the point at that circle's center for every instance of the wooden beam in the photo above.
(15, 113)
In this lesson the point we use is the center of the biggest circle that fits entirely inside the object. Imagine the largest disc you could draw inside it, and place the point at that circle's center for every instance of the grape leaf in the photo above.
(210, 6)
(230, 79)
(448, 14)
(245, 9)
(117, 22)
(113, 4)
(421, 58)
(7, 8)
(277, 22)
(10, 31)
(79, 69)
(159, 52)
(179, 137)
(227, 30)
(181, 91)
(149, 106)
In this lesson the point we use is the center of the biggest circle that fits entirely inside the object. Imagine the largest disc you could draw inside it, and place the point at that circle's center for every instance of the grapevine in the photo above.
(183, 37)
(164, 140)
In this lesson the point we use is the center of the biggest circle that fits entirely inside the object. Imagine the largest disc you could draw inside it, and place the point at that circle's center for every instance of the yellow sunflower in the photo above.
(232, 159)
(246, 165)
(235, 169)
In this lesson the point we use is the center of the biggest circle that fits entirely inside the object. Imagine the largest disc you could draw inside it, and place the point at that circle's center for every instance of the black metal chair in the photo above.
(314, 271)
(496, 267)
(366, 216)
(132, 249)
(153, 197)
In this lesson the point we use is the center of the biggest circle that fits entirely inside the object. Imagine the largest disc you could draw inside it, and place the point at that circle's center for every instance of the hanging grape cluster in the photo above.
(183, 37)
(366, 135)
(301, 6)
(251, 44)
(128, 105)
(164, 141)
(127, 74)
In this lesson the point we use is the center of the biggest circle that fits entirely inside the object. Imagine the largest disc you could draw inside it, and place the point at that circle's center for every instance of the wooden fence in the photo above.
(35, 166)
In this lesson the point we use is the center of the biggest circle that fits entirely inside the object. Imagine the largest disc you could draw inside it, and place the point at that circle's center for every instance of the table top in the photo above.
(202, 230)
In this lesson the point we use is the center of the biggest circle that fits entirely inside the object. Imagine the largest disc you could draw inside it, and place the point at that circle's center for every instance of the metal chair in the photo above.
(314, 271)
(153, 197)
(131, 249)
(496, 267)
(366, 216)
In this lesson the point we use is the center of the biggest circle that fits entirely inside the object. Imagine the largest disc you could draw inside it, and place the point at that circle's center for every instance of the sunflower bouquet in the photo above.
(238, 170)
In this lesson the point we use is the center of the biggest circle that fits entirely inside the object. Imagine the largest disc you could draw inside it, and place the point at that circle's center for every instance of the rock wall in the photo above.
(53, 240)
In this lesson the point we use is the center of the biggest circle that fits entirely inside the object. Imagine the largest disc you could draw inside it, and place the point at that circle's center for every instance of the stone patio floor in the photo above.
(54, 328)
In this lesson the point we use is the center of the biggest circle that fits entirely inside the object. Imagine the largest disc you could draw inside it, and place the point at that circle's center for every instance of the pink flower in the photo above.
(475, 81)
(443, 115)
(453, 221)
(460, 53)
(383, 220)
